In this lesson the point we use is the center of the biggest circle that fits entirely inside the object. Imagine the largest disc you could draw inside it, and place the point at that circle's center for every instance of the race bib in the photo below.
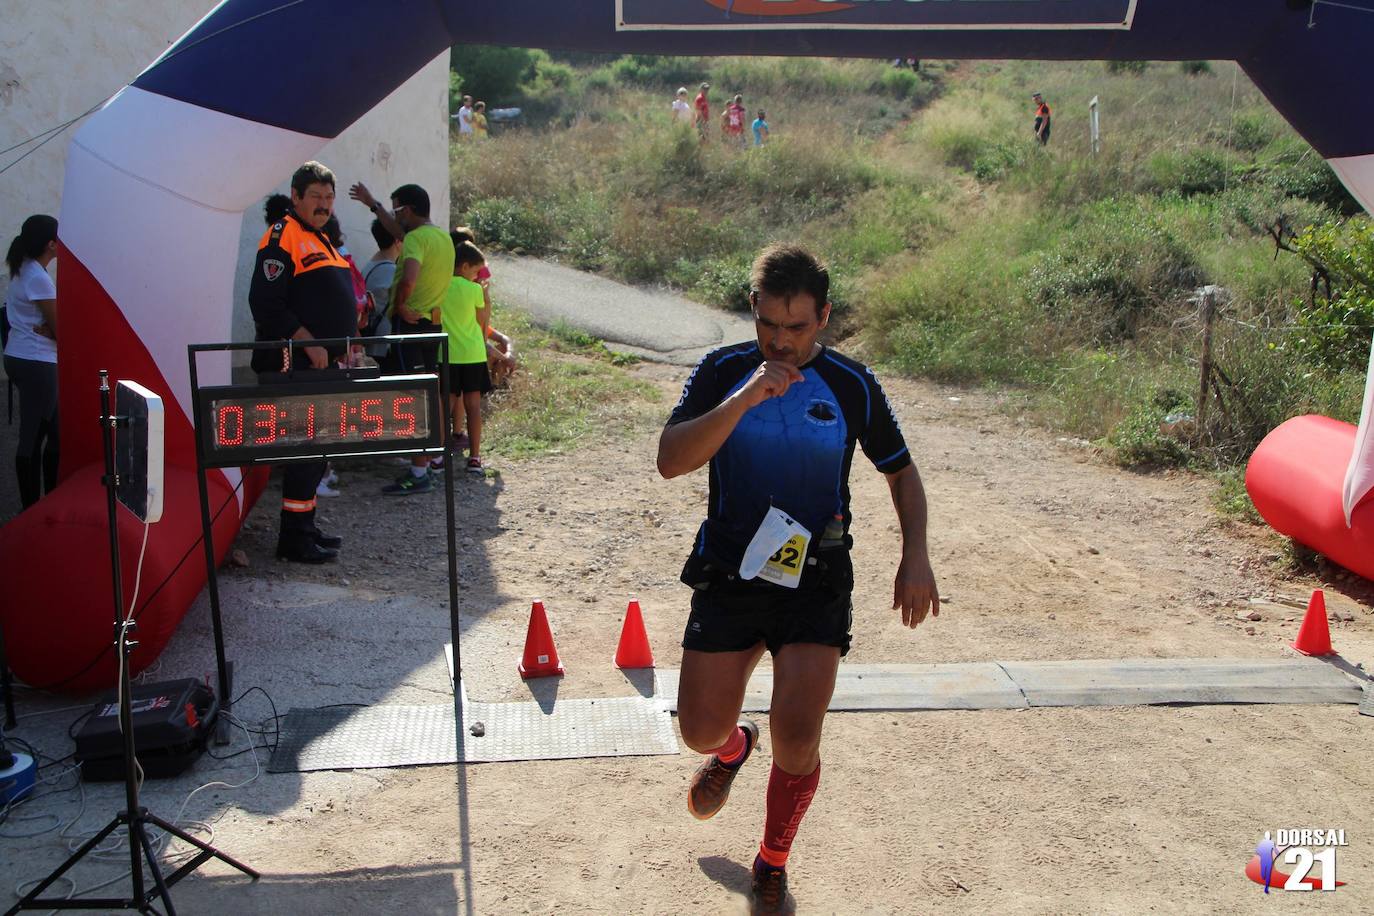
(777, 552)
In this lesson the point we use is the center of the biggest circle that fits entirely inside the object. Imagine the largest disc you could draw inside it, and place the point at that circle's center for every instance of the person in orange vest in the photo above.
(1042, 119)
(302, 289)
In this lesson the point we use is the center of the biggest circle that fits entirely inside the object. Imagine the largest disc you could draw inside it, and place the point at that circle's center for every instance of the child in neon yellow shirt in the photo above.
(465, 316)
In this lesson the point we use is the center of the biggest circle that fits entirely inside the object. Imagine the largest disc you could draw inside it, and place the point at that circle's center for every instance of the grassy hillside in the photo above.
(963, 251)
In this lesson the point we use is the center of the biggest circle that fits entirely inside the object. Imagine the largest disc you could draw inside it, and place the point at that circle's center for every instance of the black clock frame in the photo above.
(317, 382)
(217, 455)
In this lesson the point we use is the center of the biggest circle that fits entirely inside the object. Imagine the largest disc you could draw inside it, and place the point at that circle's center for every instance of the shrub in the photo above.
(723, 281)
(1293, 168)
(1132, 67)
(658, 71)
(1335, 323)
(510, 224)
(1195, 67)
(1109, 274)
(1140, 440)
(1248, 132)
(492, 72)
(994, 162)
(1195, 171)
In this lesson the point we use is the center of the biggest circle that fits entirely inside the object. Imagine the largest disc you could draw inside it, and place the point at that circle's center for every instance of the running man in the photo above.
(777, 420)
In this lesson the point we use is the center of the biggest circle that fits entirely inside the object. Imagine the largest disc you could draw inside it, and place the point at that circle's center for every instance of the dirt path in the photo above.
(1043, 551)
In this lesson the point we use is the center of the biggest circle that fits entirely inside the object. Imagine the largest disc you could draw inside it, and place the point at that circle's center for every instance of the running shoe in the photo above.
(711, 784)
(437, 464)
(475, 466)
(407, 484)
(330, 478)
(768, 895)
(324, 489)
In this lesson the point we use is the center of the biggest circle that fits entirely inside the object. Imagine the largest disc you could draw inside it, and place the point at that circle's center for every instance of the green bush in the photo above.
(723, 282)
(1131, 67)
(1293, 168)
(1248, 132)
(1139, 440)
(1195, 171)
(510, 224)
(1195, 67)
(491, 72)
(995, 162)
(1110, 274)
(1334, 328)
(658, 71)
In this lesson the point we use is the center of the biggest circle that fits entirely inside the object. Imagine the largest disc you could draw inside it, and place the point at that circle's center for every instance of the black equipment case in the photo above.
(172, 721)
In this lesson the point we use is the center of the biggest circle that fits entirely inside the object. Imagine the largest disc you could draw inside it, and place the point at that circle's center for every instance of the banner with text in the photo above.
(874, 14)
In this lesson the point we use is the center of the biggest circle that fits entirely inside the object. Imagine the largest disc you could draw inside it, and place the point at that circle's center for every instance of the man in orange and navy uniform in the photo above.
(302, 290)
(1042, 119)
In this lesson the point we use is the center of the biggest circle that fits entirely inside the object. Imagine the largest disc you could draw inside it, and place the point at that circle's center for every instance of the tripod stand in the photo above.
(134, 815)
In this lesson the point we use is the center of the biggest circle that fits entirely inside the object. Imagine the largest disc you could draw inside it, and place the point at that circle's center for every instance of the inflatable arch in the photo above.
(158, 180)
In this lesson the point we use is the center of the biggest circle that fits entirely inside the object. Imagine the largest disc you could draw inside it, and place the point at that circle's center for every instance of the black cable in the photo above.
(149, 600)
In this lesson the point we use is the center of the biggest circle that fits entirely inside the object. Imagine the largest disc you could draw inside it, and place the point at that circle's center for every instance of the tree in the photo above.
(492, 73)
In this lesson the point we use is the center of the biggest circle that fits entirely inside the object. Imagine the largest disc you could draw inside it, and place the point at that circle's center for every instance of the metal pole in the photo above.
(450, 455)
(1209, 312)
(123, 645)
(207, 525)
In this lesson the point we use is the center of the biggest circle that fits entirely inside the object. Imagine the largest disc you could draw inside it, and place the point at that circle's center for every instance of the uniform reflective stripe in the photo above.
(298, 505)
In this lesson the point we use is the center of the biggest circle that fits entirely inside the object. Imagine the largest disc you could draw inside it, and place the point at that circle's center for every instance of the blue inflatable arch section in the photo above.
(158, 180)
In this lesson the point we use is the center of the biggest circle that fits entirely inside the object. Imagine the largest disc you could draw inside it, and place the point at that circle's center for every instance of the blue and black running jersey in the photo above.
(793, 451)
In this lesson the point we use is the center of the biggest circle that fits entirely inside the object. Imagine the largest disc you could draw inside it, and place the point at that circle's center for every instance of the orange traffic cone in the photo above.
(541, 657)
(634, 651)
(1314, 636)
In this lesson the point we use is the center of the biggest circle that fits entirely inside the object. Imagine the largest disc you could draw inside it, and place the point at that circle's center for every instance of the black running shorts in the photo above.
(730, 614)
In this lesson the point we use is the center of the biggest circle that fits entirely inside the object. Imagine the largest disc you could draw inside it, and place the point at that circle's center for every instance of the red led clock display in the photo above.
(256, 422)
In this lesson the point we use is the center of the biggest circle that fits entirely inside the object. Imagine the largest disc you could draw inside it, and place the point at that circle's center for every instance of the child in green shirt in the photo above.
(465, 316)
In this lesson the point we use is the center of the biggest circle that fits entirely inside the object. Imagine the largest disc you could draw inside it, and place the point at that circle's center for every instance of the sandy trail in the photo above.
(1044, 553)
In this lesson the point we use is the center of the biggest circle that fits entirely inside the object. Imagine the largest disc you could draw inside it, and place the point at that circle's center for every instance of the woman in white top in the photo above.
(31, 354)
(682, 112)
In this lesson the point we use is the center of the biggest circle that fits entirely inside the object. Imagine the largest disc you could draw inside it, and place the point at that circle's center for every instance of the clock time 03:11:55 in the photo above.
(319, 420)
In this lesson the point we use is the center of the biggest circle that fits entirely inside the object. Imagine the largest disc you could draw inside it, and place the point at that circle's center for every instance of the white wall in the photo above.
(59, 58)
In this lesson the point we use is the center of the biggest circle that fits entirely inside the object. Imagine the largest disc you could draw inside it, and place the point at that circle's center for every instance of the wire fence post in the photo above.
(1094, 128)
(1209, 315)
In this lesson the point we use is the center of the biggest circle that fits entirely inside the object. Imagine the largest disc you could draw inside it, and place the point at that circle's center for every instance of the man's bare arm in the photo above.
(684, 447)
(914, 589)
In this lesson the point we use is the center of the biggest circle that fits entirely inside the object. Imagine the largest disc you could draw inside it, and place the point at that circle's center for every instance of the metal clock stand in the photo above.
(327, 383)
(134, 816)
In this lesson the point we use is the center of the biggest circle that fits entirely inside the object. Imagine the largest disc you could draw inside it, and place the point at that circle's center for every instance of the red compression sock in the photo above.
(788, 798)
(732, 751)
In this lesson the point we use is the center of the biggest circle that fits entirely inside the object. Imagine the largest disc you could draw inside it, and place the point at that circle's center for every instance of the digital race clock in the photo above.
(241, 424)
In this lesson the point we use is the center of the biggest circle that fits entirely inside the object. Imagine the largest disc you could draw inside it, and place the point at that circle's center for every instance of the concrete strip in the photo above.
(976, 685)
(1019, 685)
(654, 324)
(1144, 681)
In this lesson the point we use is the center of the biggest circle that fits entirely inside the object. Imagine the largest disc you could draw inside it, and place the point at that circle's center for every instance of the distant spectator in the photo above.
(682, 112)
(732, 121)
(464, 119)
(761, 128)
(31, 354)
(701, 112)
(479, 121)
(465, 322)
(378, 274)
(1042, 119)
(275, 208)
